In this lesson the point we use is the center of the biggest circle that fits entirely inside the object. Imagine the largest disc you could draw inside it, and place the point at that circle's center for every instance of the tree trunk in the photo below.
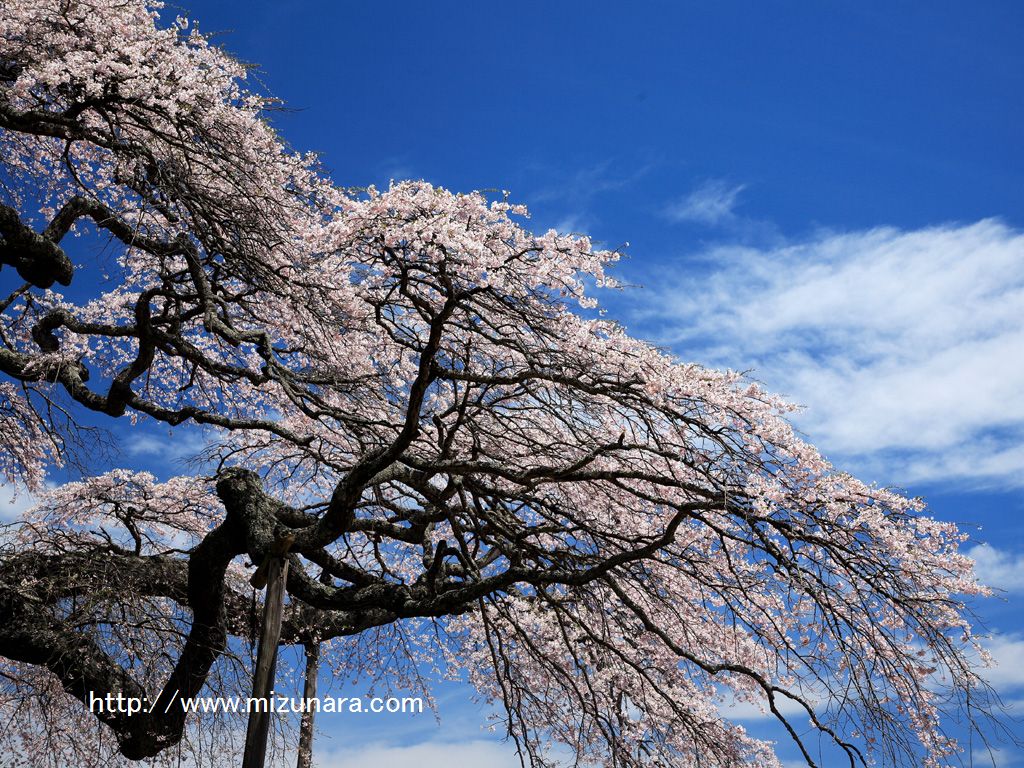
(266, 663)
(308, 693)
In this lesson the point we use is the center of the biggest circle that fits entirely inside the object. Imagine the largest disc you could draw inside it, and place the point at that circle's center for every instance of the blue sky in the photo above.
(830, 195)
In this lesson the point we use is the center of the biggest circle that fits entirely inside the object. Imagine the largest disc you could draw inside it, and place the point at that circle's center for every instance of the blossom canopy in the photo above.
(481, 475)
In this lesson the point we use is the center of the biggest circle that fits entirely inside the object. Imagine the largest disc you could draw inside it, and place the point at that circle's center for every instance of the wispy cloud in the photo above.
(174, 447)
(1007, 672)
(571, 223)
(994, 758)
(905, 346)
(581, 185)
(998, 569)
(14, 500)
(572, 195)
(734, 709)
(396, 169)
(712, 203)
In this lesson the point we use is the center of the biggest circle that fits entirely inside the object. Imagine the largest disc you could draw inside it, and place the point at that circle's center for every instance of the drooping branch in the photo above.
(398, 382)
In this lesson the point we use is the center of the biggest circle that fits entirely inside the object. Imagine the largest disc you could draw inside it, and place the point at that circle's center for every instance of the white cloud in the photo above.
(431, 754)
(710, 203)
(906, 347)
(733, 709)
(1007, 671)
(174, 446)
(998, 569)
(14, 500)
(573, 222)
(994, 758)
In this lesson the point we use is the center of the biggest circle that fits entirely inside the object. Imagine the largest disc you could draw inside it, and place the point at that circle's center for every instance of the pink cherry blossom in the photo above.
(482, 480)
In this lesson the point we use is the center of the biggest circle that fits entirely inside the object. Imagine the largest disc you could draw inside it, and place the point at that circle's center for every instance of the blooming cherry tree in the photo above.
(478, 474)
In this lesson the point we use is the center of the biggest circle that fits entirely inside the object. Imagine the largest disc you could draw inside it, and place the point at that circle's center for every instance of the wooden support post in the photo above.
(306, 729)
(273, 571)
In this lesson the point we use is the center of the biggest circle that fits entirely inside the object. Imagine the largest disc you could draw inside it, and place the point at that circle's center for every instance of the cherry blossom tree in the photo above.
(479, 474)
